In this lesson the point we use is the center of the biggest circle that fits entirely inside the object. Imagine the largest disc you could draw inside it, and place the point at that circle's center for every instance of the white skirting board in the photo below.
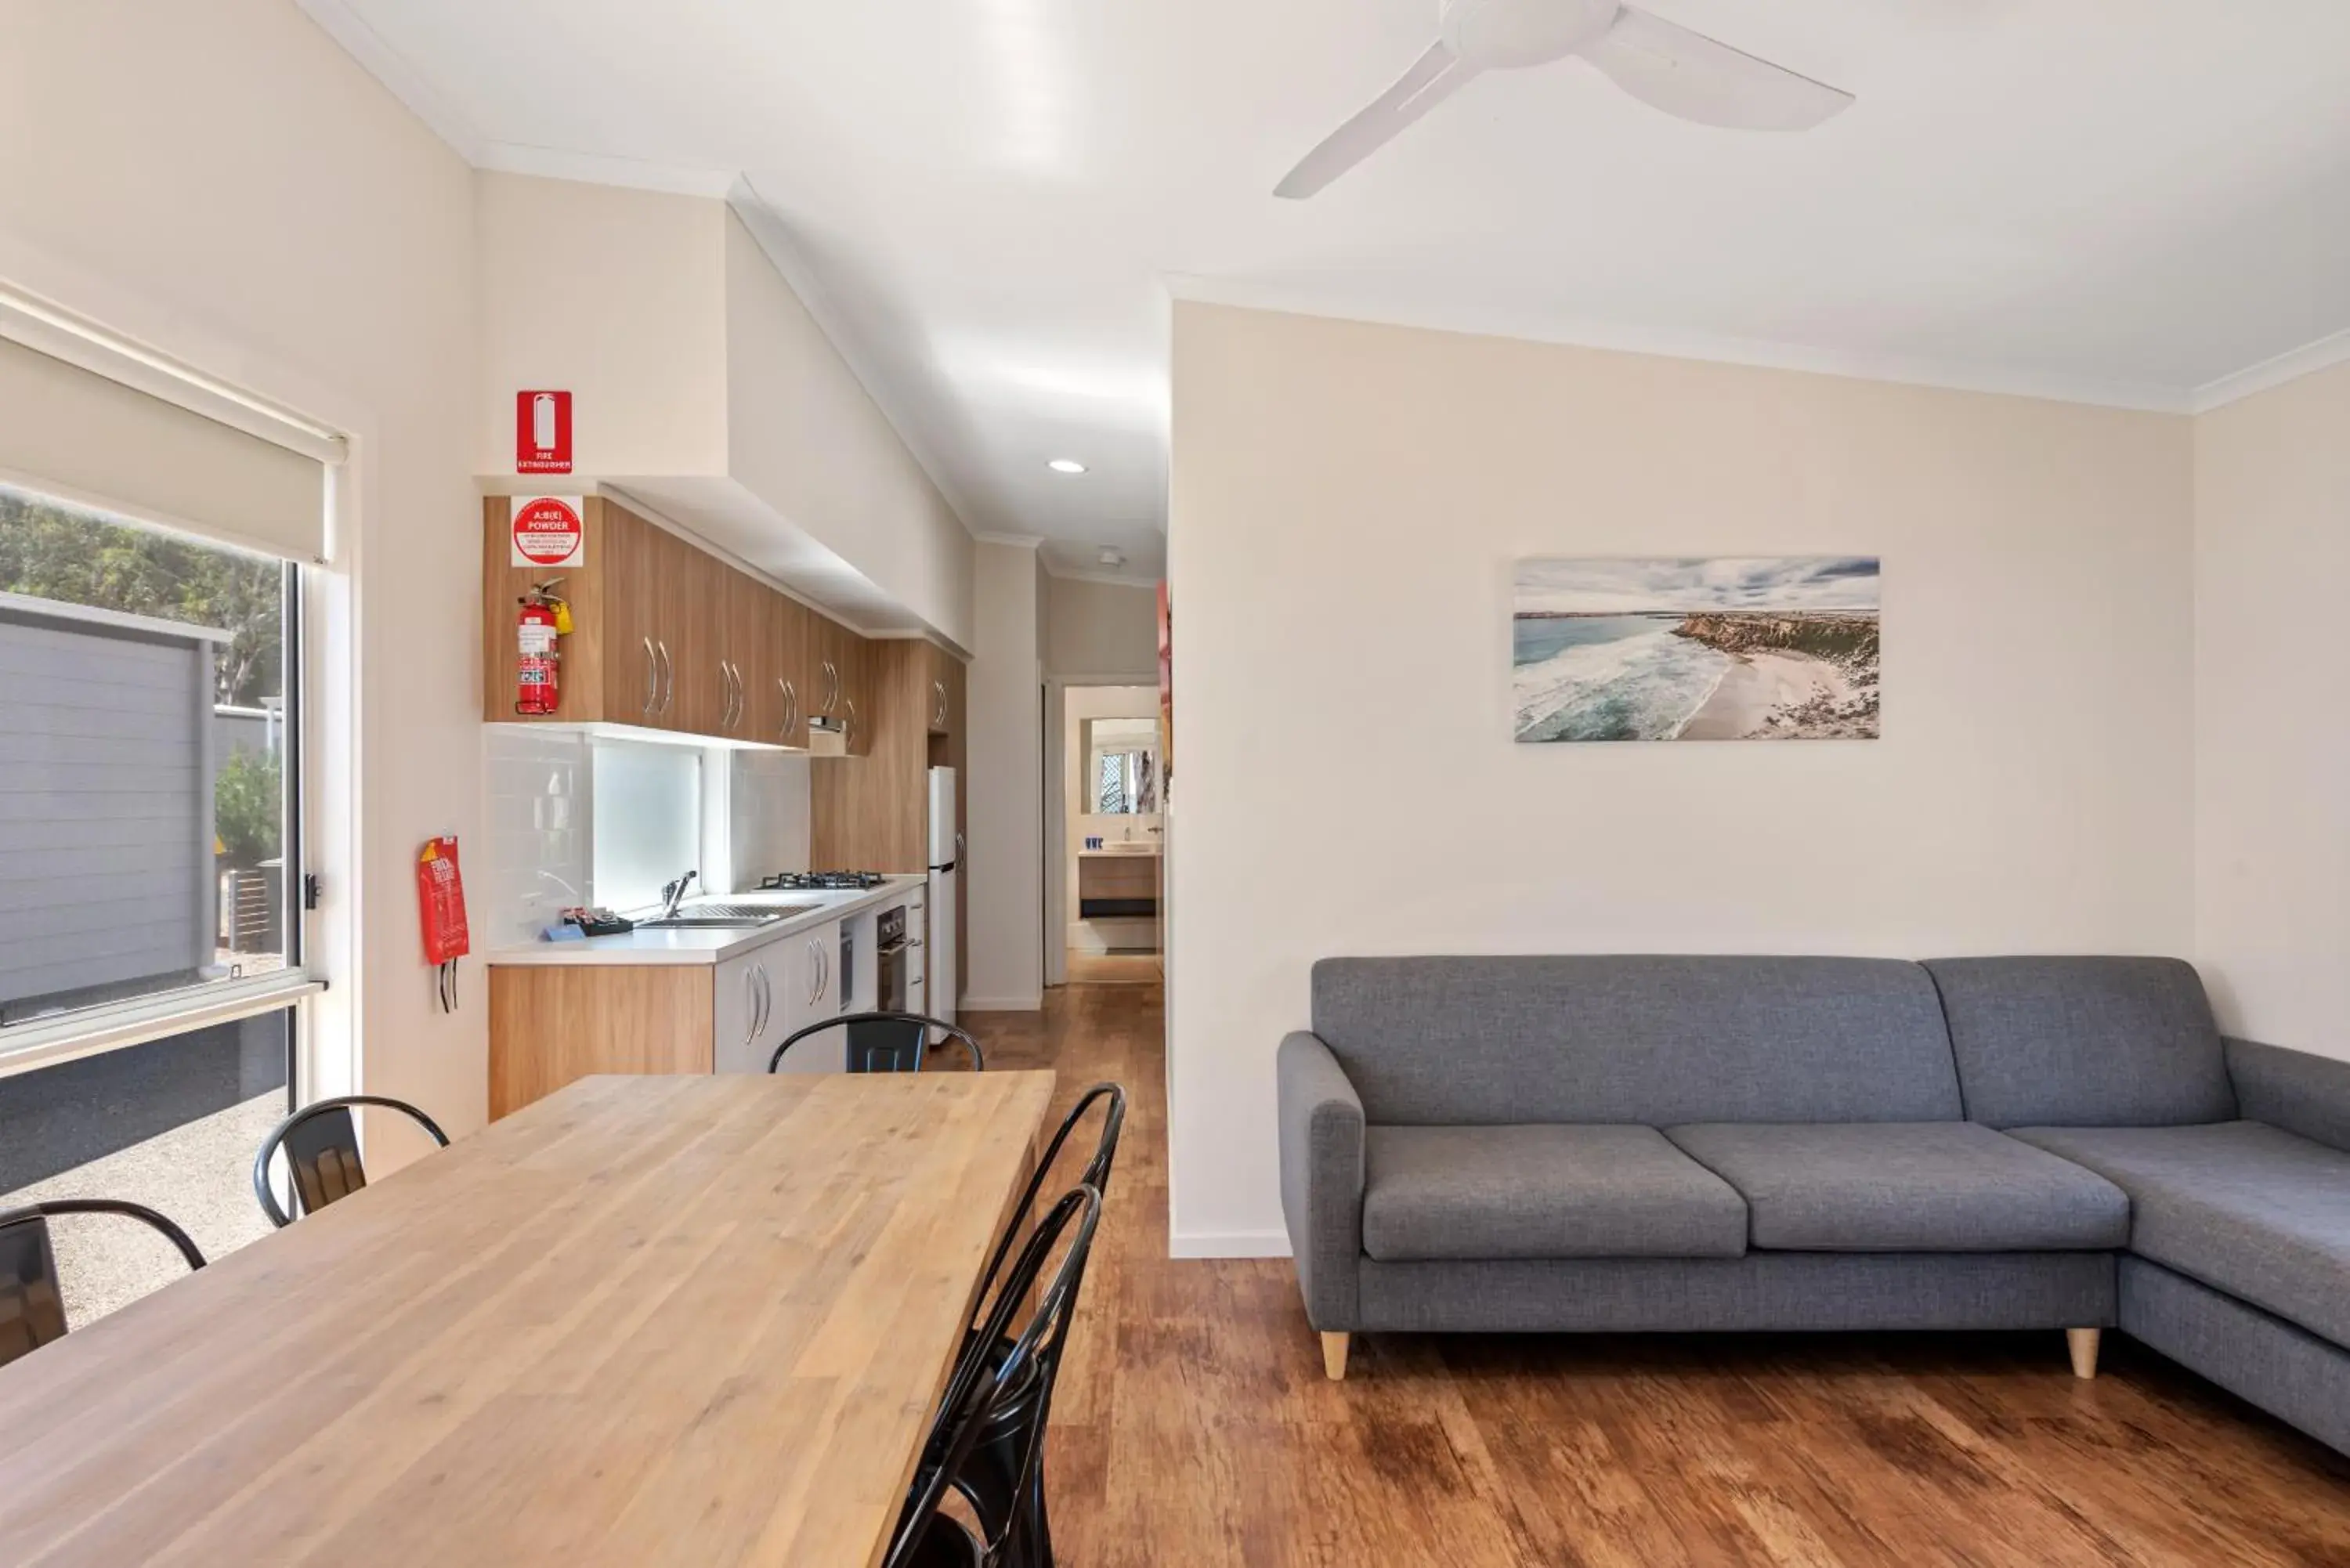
(1032, 1002)
(1228, 1244)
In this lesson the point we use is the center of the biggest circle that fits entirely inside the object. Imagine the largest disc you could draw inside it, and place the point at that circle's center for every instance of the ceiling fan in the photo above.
(1664, 66)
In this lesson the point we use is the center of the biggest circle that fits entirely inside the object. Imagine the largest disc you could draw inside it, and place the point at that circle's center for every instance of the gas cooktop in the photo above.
(820, 881)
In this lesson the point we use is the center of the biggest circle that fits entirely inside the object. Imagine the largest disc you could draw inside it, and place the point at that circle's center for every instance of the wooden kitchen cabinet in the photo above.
(550, 1024)
(628, 598)
(791, 649)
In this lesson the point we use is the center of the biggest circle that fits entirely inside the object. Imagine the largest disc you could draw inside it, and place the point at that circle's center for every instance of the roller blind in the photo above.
(92, 439)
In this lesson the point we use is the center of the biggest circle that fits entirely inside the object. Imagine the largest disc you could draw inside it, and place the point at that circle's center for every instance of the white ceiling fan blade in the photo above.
(1434, 78)
(1689, 75)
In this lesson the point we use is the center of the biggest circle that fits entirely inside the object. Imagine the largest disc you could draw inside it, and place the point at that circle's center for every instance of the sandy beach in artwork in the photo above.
(1782, 696)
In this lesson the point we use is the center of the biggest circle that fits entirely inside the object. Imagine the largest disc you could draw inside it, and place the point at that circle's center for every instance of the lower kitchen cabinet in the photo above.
(550, 1023)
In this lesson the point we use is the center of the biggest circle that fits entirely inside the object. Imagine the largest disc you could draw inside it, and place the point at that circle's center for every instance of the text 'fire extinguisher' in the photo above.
(545, 617)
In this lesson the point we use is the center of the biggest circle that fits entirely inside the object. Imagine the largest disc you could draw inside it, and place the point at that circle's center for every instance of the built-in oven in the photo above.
(876, 1045)
(890, 957)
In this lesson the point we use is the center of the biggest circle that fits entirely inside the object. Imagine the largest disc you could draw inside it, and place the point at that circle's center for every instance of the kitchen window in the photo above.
(148, 742)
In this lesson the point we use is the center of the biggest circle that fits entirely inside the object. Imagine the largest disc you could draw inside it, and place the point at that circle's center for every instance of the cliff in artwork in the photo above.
(1803, 675)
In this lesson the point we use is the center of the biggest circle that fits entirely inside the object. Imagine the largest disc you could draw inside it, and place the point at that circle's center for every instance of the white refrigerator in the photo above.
(939, 976)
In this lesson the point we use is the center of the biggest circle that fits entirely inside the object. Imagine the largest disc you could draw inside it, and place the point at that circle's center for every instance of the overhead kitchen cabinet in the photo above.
(634, 630)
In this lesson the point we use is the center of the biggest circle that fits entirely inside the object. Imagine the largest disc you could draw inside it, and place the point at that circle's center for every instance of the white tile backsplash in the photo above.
(736, 815)
(767, 817)
(540, 822)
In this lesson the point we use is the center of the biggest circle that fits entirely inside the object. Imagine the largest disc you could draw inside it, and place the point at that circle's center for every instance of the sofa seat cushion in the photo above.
(1918, 1187)
(2246, 1208)
(1540, 1192)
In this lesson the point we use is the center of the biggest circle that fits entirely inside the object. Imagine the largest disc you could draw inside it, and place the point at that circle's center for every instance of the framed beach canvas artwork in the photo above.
(1779, 648)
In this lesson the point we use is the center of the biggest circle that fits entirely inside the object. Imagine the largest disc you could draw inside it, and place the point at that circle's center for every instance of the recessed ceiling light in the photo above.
(1066, 465)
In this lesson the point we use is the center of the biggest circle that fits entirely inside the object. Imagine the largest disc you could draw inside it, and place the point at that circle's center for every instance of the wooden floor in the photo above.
(1113, 968)
(1194, 1427)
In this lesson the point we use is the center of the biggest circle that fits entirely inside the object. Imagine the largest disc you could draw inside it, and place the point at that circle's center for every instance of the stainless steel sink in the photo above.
(726, 917)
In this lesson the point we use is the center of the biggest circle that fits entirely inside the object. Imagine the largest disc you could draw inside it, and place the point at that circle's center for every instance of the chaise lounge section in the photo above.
(1618, 1144)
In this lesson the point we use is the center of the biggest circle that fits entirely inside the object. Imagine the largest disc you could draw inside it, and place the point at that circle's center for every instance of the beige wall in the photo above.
(1005, 858)
(1347, 500)
(218, 178)
(2273, 741)
(702, 384)
(1096, 629)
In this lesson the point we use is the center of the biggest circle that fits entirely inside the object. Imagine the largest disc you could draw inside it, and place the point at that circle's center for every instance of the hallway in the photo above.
(1193, 1424)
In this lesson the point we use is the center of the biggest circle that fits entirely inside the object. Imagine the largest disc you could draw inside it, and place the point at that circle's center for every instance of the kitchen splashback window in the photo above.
(147, 764)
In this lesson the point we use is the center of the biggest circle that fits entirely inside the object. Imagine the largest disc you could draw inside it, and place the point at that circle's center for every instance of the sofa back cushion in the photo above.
(1655, 1040)
(2084, 1041)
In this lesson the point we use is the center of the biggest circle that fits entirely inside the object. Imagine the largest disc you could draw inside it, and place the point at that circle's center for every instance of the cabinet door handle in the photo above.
(791, 710)
(668, 676)
(815, 970)
(726, 696)
(653, 680)
(938, 706)
(751, 994)
(734, 684)
(766, 999)
(849, 730)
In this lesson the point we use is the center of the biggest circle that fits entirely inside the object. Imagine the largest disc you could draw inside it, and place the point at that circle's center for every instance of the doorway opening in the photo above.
(1105, 873)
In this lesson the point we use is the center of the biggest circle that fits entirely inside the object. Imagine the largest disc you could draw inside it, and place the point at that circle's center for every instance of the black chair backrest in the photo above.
(32, 1306)
(322, 1151)
(1096, 1174)
(885, 1042)
(972, 1393)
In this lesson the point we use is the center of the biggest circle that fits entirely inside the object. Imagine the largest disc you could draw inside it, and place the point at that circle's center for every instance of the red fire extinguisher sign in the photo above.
(542, 433)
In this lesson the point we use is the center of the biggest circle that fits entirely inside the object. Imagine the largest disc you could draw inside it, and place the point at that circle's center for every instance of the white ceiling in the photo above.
(2119, 200)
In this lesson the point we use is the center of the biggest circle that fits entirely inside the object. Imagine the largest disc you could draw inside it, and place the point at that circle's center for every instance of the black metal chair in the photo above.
(885, 1042)
(1004, 1478)
(322, 1151)
(32, 1306)
(976, 1395)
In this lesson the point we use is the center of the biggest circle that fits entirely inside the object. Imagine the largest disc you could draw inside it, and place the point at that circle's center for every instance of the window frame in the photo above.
(72, 1035)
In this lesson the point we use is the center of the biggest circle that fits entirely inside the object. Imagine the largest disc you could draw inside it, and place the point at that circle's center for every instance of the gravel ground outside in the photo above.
(199, 1173)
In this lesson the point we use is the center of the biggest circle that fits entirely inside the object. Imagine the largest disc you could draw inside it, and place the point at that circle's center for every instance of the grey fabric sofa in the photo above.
(1716, 1143)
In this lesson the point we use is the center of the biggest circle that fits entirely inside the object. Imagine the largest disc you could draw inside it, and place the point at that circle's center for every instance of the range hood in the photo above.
(826, 736)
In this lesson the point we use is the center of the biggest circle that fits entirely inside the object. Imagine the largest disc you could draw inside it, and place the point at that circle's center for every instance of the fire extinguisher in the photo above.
(544, 617)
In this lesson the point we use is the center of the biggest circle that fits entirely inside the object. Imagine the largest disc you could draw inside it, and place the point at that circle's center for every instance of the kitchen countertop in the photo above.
(706, 945)
(1140, 852)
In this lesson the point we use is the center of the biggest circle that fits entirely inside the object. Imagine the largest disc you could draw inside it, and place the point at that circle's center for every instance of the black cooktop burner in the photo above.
(820, 881)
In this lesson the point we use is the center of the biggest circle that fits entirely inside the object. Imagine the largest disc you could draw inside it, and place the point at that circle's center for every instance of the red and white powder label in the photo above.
(547, 531)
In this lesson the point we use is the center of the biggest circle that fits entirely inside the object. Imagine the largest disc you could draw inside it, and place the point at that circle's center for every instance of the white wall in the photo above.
(1004, 708)
(1347, 500)
(217, 178)
(617, 296)
(701, 384)
(1096, 630)
(2273, 742)
(1081, 704)
(806, 438)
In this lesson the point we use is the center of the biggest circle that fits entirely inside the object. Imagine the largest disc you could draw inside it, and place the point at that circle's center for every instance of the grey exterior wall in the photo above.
(106, 808)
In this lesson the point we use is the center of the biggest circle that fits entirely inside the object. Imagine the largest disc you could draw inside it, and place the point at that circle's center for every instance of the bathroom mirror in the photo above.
(1122, 767)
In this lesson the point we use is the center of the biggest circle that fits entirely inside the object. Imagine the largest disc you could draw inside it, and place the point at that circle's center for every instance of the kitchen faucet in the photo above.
(672, 895)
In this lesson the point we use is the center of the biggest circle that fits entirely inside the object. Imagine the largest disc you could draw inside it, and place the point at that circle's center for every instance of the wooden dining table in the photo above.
(645, 1321)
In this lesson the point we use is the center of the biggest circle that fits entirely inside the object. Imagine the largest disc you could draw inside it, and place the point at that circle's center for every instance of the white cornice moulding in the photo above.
(2291, 366)
(403, 80)
(595, 169)
(1897, 370)
(1015, 541)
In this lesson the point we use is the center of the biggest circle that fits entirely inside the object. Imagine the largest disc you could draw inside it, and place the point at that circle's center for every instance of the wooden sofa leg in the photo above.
(1334, 1355)
(2083, 1343)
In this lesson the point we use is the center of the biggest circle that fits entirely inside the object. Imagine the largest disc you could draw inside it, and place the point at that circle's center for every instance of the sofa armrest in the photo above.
(1321, 1179)
(2307, 1095)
